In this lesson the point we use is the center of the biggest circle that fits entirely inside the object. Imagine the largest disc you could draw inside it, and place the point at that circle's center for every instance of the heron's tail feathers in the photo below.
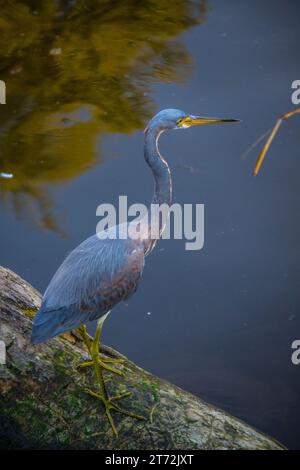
(52, 322)
(45, 326)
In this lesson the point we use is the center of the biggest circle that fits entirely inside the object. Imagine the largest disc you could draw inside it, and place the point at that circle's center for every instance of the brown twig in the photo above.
(271, 138)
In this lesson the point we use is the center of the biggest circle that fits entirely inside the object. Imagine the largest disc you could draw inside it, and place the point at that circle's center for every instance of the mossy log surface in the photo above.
(43, 404)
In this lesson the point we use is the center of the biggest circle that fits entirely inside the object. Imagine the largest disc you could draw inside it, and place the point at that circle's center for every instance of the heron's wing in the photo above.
(94, 277)
(120, 286)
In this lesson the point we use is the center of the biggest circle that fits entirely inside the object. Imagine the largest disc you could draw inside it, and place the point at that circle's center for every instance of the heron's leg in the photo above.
(85, 337)
(102, 394)
(94, 345)
(95, 348)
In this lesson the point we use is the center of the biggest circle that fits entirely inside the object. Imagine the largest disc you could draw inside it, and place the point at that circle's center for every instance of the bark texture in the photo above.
(43, 405)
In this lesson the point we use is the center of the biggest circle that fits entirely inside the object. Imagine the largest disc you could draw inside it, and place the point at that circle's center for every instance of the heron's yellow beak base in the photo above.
(197, 120)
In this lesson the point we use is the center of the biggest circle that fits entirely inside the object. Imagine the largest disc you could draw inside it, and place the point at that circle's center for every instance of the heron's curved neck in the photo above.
(162, 189)
(160, 168)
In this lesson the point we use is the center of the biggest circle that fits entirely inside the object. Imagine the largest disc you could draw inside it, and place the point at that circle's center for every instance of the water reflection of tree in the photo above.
(75, 70)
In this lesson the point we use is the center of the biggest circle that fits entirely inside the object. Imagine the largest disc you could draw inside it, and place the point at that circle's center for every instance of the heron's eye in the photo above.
(184, 121)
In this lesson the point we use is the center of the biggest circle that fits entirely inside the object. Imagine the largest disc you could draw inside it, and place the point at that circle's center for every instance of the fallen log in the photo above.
(43, 405)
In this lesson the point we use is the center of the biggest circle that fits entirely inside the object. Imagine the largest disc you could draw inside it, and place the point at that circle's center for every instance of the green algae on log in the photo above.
(43, 405)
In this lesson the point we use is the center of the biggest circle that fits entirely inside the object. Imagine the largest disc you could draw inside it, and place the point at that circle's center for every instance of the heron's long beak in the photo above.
(197, 120)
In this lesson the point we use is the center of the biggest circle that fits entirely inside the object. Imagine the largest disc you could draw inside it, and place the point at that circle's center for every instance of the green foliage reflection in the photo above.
(75, 70)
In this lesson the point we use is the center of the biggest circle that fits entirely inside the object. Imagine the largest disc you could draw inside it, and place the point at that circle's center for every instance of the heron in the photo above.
(103, 271)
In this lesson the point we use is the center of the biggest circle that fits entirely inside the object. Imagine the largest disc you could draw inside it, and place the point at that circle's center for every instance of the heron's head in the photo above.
(169, 119)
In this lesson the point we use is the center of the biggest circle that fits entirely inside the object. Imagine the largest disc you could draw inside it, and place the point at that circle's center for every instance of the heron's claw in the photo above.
(119, 397)
(103, 363)
(116, 361)
(108, 405)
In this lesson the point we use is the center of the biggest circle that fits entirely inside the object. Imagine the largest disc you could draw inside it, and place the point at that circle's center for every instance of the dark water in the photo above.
(82, 78)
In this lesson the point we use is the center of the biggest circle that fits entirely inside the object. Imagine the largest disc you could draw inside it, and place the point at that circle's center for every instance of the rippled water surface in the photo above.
(82, 79)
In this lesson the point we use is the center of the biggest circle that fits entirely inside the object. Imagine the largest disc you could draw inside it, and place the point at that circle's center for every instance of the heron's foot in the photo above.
(113, 361)
(103, 364)
(108, 403)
